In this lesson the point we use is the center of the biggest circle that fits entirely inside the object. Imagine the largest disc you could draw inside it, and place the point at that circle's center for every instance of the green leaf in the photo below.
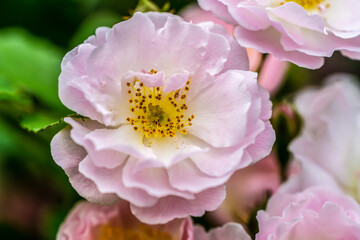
(41, 121)
(13, 138)
(38, 121)
(147, 6)
(12, 95)
(7, 87)
(95, 20)
(88, 5)
(30, 64)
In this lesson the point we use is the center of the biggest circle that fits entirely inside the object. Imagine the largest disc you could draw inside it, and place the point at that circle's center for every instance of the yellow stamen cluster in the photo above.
(309, 5)
(156, 113)
(141, 232)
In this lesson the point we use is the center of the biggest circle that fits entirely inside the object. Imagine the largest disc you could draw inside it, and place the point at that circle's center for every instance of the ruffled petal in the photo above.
(158, 177)
(171, 207)
(105, 178)
(68, 155)
(185, 176)
(255, 40)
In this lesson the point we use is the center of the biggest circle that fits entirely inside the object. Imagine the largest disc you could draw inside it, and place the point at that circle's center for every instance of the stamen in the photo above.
(156, 113)
(309, 5)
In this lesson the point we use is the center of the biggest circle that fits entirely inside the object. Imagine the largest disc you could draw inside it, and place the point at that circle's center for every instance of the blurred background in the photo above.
(35, 194)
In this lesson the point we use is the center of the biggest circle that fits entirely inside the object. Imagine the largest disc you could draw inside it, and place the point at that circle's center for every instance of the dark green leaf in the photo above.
(30, 64)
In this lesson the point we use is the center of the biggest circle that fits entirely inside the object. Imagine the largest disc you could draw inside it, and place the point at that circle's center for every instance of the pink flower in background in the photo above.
(248, 188)
(230, 231)
(171, 115)
(302, 32)
(315, 213)
(88, 221)
(330, 137)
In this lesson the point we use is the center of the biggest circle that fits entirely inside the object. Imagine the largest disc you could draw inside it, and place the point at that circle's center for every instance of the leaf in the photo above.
(87, 5)
(7, 87)
(15, 142)
(12, 95)
(41, 121)
(147, 6)
(30, 64)
(95, 20)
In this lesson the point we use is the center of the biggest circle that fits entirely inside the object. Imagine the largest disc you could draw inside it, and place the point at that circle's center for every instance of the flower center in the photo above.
(110, 232)
(308, 4)
(141, 232)
(156, 113)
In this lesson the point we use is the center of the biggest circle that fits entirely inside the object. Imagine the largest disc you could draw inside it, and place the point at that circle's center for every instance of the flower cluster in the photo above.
(170, 115)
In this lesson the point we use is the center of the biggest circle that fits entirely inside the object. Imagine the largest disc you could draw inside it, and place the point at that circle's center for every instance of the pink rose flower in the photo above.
(302, 32)
(171, 115)
(230, 231)
(88, 221)
(315, 213)
(330, 137)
